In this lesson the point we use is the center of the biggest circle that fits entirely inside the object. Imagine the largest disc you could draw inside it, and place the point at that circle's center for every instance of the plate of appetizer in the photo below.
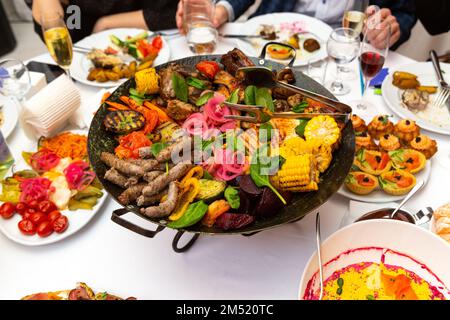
(8, 117)
(389, 159)
(51, 192)
(114, 55)
(308, 35)
(384, 264)
(409, 92)
(81, 292)
(440, 222)
(238, 180)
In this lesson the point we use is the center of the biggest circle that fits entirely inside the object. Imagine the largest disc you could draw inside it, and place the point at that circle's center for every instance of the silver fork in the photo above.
(444, 94)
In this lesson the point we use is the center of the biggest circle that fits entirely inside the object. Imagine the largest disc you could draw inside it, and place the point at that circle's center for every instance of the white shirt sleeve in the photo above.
(229, 9)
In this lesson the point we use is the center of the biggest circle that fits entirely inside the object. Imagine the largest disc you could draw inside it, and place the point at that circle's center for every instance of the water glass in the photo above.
(15, 80)
(200, 32)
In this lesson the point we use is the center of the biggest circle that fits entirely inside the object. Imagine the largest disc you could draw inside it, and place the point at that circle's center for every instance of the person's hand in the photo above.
(378, 33)
(48, 8)
(220, 16)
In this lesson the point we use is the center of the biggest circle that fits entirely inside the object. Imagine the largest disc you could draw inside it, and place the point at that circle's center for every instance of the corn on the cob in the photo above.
(297, 171)
(322, 128)
(147, 81)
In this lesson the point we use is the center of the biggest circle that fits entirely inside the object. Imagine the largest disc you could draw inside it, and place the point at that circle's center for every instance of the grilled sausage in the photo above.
(166, 207)
(123, 166)
(163, 180)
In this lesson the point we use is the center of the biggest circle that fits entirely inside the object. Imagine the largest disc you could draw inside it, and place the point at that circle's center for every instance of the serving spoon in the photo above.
(319, 254)
(413, 191)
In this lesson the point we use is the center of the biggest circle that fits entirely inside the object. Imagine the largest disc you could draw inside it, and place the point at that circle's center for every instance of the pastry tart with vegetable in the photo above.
(424, 144)
(359, 125)
(361, 183)
(379, 126)
(406, 130)
(397, 182)
(372, 162)
(364, 141)
(408, 159)
(389, 142)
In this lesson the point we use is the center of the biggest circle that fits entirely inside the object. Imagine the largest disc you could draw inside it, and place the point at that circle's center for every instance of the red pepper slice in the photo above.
(208, 68)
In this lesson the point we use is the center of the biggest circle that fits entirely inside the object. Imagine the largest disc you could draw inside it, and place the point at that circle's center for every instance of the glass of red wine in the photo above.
(372, 58)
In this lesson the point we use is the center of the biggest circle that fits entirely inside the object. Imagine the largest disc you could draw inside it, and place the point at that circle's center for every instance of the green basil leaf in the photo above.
(268, 129)
(193, 214)
(300, 129)
(158, 147)
(180, 87)
(264, 98)
(232, 196)
(250, 95)
(234, 97)
(204, 99)
(196, 83)
(207, 175)
(299, 108)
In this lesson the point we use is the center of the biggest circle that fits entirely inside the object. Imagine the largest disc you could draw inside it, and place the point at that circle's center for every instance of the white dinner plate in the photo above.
(426, 76)
(317, 29)
(379, 196)
(10, 116)
(80, 66)
(77, 219)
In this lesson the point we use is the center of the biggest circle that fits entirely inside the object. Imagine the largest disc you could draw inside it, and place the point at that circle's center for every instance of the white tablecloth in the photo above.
(267, 265)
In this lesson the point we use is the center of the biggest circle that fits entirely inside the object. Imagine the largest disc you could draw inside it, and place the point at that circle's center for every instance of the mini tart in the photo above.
(408, 159)
(361, 183)
(359, 125)
(379, 126)
(425, 145)
(406, 130)
(364, 141)
(389, 142)
(372, 162)
(397, 182)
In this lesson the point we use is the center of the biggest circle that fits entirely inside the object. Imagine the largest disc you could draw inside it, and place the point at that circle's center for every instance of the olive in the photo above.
(386, 136)
(378, 159)
(408, 122)
(418, 139)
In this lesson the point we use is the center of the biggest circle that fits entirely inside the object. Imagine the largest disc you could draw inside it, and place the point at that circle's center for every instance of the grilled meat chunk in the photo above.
(114, 176)
(226, 79)
(166, 207)
(175, 149)
(281, 105)
(125, 167)
(124, 121)
(179, 110)
(103, 60)
(161, 182)
(235, 59)
(295, 99)
(131, 194)
(148, 201)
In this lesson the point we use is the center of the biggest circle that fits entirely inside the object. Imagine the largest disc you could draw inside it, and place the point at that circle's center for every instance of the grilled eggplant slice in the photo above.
(124, 121)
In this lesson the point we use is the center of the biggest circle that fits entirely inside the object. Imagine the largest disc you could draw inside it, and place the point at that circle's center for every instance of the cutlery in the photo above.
(444, 94)
(413, 191)
(247, 36)
(319, 254)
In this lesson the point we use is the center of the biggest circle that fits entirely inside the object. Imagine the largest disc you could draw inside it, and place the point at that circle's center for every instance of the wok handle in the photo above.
(187, 246)
(117, 218)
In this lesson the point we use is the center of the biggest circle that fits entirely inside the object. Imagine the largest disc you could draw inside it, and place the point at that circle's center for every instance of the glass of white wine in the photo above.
(58, 41)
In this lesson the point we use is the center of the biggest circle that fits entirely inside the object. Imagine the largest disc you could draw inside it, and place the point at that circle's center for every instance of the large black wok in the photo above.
(100, 140)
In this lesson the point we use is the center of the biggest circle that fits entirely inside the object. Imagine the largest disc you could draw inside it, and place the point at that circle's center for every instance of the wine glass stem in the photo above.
(361, 105)
(337, 83)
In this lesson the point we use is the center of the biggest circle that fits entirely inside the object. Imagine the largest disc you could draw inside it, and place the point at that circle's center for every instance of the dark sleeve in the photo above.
(405, 12)
(434, 15)
(160, 15)
(240, 6)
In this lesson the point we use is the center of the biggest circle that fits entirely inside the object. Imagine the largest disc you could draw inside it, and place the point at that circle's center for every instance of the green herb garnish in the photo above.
(156, 148)
(197, 83)
(300, 129)
(250, 95)
(234, 97)
(180, 87)
(299, 108)
(204, 99)
(232, 196)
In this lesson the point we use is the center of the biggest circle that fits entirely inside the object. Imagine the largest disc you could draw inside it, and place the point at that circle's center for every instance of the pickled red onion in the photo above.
(78, 176)
(214, 111)
(35, 189)
(227, 164)
(44, 160)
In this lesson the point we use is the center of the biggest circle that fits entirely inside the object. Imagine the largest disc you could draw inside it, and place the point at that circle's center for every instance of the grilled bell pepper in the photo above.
(215, 210)
(191, 187)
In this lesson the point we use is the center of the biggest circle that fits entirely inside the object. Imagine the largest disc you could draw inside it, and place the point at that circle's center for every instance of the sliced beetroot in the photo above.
(248, 186)
(269, 203)
(232, 221)
(247, 205)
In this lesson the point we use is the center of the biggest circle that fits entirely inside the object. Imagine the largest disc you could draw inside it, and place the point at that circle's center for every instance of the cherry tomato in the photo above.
(157, 42)
(27, 227)
(21, 207)
(7, 210)
(46, 206)
(60, 224)
(208, 68)
(38, 217)
(52, 216)
(44, 229)
(27, 214)
(33, 204)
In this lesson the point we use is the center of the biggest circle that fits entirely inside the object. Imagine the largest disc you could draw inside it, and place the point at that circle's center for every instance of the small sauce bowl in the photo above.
(385, 213)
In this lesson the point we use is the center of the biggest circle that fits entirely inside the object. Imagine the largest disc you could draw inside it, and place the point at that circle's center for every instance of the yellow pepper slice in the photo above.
(215, 210)
(190, 189)
(196, 172)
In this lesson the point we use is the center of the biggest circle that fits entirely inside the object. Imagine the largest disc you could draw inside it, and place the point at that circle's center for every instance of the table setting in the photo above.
(94, 149)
